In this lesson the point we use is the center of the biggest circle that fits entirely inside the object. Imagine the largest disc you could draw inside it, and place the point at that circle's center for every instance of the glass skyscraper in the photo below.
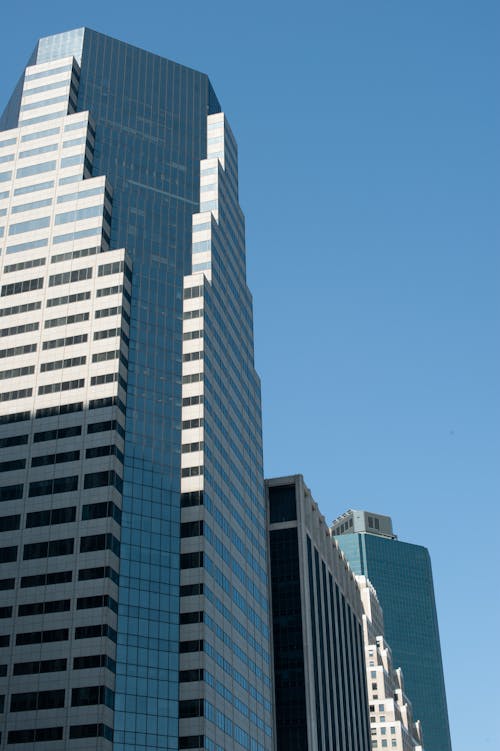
(402, 576)
(133, 564)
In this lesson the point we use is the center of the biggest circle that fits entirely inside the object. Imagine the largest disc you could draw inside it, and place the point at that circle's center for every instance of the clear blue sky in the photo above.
(370, 178)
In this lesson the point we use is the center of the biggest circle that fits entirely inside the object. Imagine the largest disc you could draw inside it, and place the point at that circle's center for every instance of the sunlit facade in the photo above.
(133, 561)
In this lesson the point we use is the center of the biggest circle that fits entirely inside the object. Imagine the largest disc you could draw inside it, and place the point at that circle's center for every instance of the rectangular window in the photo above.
(66, 341)
(94, 661)
(101, 511)
(21, 329)
(53, 486)
(16, 288)
(35, 169)
(49, 549)
(42, 608)
(102, 479)
(11, 492)
(23, 308)
(9, 396)
(57, 433)
(16, 372)
(91, 731)
(68, 277)
(13, 440)
(36, 700)
(92, 543)
(42, 637)
(51, 516)
(61, 409)
(98, 572)
(39, 666)
(65, 299)
(42, 580)
(10, 523)
(40, 134)
(94, 632)
(30, 245)
(37, 735)
(66, 320)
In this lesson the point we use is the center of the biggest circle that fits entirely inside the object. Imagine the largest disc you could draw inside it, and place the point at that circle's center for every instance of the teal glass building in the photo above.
(151, 638)
(402, 575)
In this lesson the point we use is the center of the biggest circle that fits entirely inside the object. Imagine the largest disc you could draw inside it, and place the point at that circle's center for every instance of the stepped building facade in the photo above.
(133, 559)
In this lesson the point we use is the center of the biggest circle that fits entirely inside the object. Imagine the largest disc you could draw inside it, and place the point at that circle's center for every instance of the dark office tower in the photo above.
(319, 666)
(402, 575)
(127, 393)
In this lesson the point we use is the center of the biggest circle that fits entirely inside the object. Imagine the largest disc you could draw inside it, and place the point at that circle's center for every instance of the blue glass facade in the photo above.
(402, 575)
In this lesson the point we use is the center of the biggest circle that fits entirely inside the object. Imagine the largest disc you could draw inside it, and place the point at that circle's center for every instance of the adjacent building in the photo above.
(391, 715)
(402, 576)
(319, 667)
(133, 560)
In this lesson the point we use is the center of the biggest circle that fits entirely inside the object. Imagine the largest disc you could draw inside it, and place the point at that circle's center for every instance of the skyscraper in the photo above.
(402, 576)
(391, 715)
(129, 413)
(320, 678)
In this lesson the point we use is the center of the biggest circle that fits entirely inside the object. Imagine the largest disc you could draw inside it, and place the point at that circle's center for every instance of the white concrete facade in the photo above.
(391, 717)
(64, 328)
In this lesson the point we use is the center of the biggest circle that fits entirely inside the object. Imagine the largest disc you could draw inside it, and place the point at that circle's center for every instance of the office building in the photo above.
(133, 561)
(402, 576)
(320, 674)
(391, 716)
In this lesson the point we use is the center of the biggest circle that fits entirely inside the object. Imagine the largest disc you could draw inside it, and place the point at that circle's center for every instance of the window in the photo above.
(194, 498)
(94, 661)
(60, 458)
(53, 486)
(9, 396)
(98, 572)
(101, 510)
(191, 708)
(66, 320)
(193, 617)
(65, 341)
(192, 560)
(35, 169)
(42, 608)
(42, 637)
(24, 308)
(11, 492)
(91, 695)
(93, 632)
(9, 554)
(91, 543)
(91, 731)
(188, 676)
(23, 328)
(10, 523)
(57, 433)
(32, 263)
(61, 409)
(65, 299)
(50, 549)
(191, 646)
(192, 741)
(37, 735)
(51, 516)
(103, 479)
(97, 601)
(22, 350)
(192, 529)
(42, 580)
(68, 277)
(188, 590)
